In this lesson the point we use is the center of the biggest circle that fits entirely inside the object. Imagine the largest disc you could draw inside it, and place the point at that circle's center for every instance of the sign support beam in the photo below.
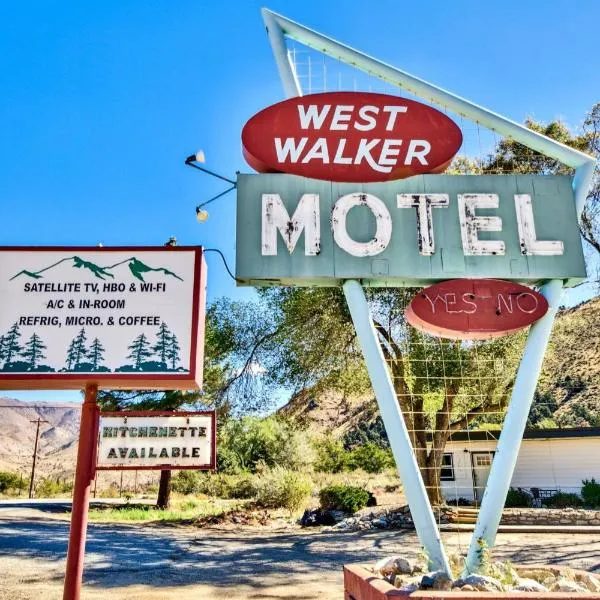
(511, 435)
(395, 426)
(84, 475)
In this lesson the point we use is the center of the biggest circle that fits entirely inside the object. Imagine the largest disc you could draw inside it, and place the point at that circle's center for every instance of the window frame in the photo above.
(452, 476)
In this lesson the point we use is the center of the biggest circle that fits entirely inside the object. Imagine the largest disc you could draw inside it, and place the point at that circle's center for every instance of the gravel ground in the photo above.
(153, 562)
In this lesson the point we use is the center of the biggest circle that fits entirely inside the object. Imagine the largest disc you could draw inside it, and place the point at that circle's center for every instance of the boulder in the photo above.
(591, 582)
(564, 585)
(436, 580)
(528, 585)
(396, 565)
(482, 583)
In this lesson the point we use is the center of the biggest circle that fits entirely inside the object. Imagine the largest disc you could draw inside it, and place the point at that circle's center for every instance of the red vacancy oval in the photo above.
(350, 136)
(475, 309)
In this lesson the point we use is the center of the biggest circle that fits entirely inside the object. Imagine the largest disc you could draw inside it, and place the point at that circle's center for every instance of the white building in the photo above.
(550, 460)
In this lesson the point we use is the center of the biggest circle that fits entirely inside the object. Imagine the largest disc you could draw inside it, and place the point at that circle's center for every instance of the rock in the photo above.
(537, 574)
(528, 585)
(409, 587)
(314, 518)
(468, 588)
(436, 580)
(564, 585)
(591, 582)
(380, 523)
(481, 583)
(396, 565)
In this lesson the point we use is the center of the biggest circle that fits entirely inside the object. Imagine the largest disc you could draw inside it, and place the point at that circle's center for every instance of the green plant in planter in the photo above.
(563, 500)
(518, 499)
(590, 492)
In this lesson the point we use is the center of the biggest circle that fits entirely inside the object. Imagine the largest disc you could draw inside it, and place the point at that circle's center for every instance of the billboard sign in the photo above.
(157, 440)
(350, 136)
(475, 309)
(413, 232)
(119, 317)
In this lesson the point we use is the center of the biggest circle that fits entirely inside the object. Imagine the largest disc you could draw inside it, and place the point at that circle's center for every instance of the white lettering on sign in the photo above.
(380, 155)
(527, 235)
(383, 222)
(424, 203)
(471, 224)
(525, 302)
(306, 218)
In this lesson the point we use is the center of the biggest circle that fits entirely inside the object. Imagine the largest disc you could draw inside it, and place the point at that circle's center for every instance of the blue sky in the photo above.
(100, 103)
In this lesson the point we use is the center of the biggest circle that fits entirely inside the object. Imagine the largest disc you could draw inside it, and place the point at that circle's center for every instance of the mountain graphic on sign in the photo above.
(136, 266)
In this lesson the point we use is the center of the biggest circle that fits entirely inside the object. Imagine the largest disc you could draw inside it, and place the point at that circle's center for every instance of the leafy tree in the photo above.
(140, 350)
(164, 344)
(510, 156)
(11, 343)
(34, 351)
(77, 350)
(96, 353)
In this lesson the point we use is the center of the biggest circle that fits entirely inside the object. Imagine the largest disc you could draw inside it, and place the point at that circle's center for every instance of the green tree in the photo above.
(140, 350)
(164, 344)
(171, 351)
(96, 354)
(34, 351)
(76, 351)
(11, 345)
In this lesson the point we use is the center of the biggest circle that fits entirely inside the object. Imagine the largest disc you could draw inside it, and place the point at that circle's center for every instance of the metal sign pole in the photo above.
(511, 435)
(395, 427)
(84, 474)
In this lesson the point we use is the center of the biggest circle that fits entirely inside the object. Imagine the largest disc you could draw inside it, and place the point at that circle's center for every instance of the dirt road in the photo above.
(135, 562)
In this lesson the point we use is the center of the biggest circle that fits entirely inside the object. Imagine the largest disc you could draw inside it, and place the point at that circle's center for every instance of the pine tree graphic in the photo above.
(2, 348)
(140, 350)
(76, 351)
(96, 354)
(173, 351)
(34, 351)
(161, 347)
(11, 343)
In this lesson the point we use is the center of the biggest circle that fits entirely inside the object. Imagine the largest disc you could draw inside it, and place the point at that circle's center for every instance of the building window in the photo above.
(447, 472)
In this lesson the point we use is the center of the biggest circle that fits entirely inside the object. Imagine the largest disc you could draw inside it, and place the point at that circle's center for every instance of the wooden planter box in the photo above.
(361, 584)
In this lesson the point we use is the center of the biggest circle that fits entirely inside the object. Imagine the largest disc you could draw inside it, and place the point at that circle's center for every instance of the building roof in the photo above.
(530, 434)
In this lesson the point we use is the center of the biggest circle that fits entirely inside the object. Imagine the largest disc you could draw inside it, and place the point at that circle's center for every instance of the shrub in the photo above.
(563, 500)
(370, 458)
(218, 485)
(590, 492)
(518, 499)
(49, 487)
(245, 443)
(331, 456)
(343, 497)
(281, 488)
(185, 482)
(12, 481)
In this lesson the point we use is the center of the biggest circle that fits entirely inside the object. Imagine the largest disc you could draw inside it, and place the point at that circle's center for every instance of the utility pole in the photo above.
(39, 421)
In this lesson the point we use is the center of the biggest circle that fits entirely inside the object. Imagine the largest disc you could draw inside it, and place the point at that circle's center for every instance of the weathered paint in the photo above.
(475, 309)
(297, 231)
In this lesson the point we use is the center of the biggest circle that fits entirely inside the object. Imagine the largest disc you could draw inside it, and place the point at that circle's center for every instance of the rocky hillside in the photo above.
(568, 392)
(58, 437)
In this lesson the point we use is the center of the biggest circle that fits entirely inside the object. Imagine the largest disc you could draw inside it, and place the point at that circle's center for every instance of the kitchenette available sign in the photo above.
(120, 317)
(157, 440)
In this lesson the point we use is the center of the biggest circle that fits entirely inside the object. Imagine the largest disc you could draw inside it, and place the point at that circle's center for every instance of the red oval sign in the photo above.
(350, 136)
(475, 309)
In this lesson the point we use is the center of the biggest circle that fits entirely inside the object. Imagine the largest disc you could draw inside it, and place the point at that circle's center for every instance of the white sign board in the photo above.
(118, 317)
(138, 440)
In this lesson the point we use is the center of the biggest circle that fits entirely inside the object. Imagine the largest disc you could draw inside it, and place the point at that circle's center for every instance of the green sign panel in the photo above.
(297, 231)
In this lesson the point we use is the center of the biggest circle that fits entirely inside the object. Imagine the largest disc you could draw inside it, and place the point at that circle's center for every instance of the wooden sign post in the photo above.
(112, 318)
